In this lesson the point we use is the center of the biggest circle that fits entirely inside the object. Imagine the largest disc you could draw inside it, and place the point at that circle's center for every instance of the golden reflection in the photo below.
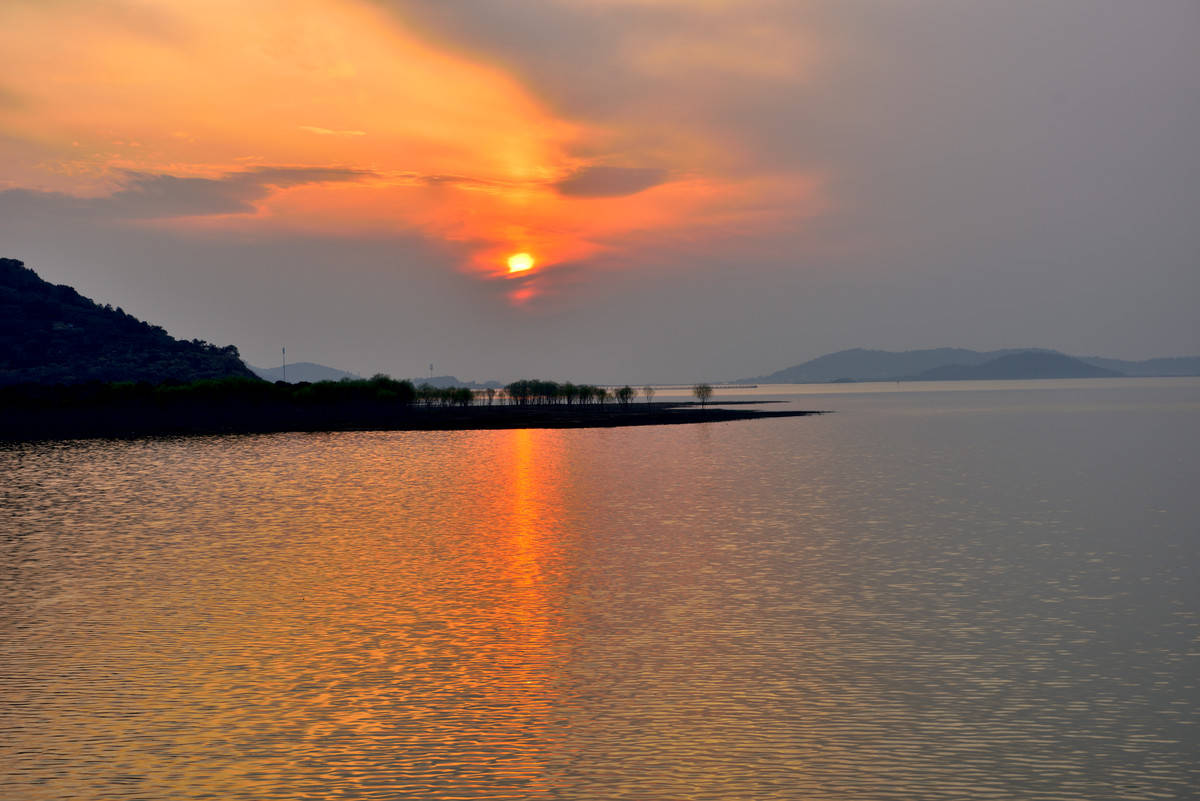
(533, 498)
(414, 636)
(525, 506)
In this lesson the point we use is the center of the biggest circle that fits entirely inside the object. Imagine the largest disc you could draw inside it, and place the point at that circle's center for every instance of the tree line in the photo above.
(379, 389)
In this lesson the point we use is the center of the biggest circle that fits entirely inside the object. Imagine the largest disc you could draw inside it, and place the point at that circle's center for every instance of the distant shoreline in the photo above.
(117, 422)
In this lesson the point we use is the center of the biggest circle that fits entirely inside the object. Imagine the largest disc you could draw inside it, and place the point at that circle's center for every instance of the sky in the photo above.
(703, 190)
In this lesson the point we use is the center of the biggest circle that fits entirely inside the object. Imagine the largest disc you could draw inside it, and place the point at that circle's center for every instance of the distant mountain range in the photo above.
(1029, 364)
(445, 381)
(50, 334)
(954, 364)
(308, 371)
(302, 371)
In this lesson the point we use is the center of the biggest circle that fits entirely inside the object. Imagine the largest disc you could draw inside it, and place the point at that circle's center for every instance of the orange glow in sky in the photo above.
(440, 145)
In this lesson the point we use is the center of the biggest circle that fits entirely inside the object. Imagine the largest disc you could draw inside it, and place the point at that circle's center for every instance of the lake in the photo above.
(983, 590)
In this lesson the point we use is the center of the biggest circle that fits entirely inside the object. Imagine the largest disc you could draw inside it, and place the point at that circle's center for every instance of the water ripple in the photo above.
(888, 603)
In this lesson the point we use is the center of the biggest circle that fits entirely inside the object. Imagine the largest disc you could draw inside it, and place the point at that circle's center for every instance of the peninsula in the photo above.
(249, 406)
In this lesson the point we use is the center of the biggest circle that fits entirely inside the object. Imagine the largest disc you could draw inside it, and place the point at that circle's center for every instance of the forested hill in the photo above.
(50, 334)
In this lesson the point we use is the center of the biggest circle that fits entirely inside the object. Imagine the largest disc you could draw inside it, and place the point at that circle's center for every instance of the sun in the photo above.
(519, 262)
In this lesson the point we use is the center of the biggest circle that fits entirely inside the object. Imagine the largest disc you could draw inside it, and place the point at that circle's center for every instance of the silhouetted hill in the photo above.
(860, 364)
(50, 334)
(1171, 366)
(302, 371)
(1028, 364)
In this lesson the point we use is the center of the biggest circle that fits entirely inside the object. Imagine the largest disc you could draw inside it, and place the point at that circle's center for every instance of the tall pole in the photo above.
(284, 351)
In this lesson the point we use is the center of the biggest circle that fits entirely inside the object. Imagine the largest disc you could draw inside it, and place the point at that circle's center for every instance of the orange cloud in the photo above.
(220, 83)
(211, 90)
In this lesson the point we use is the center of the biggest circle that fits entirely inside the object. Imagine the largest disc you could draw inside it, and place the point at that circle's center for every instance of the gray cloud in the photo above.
(610, 181)
(153, 196)
(10, 99)
(448, 180)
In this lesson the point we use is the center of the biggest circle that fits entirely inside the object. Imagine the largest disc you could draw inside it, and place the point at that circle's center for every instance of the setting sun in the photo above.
(519, 262)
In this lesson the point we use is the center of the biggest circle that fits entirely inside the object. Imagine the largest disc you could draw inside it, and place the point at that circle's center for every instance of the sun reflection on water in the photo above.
(529, 479)
(769, 612)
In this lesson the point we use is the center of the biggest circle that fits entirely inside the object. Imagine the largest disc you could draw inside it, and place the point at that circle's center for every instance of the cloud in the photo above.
(452, 180)
(147, 196)
(610, 181)
(315, 129)
(10, 99)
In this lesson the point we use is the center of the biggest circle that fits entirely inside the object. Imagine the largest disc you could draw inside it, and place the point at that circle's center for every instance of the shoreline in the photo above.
(125, 422)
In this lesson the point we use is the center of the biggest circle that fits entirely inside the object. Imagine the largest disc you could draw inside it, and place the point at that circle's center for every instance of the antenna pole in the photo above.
(284, 351)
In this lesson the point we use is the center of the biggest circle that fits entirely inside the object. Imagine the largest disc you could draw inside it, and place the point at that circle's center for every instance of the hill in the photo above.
(50, 334)
(1028, 364)
(860, 364)
(1171, 366)
(302, 371)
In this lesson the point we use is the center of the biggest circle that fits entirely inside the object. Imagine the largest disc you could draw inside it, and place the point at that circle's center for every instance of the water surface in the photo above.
(939, 592)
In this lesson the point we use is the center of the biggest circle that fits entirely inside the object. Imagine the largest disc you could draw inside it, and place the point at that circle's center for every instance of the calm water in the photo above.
(983, 591)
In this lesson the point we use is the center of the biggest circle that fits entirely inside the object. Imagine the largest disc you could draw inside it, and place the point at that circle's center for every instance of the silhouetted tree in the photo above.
(519, 392)
(531, 391)
(427, 394)
(702, 392)
(648, 392)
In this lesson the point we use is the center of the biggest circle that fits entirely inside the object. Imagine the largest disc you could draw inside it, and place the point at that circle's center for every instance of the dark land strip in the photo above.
(25, 422)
